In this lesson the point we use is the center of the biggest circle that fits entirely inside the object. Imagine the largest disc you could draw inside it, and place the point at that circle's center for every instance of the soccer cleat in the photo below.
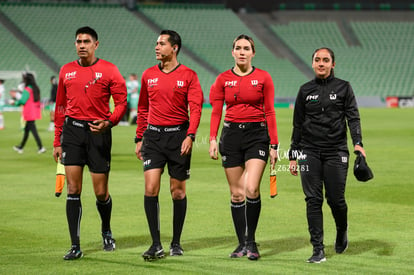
(108, 242)
(252, 251)
(18, 149)
(73, 254)
(341, 243)
(155, 252)
(318, 256)
(41, 150)
(239, 252)
(176, 250)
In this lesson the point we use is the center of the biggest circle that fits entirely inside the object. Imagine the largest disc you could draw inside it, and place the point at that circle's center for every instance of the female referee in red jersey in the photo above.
(248, 129)
(165, 134)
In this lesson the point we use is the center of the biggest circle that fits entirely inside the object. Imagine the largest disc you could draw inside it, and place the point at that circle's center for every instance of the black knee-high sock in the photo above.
(180, 210)
(152, 212)
(105, 210)
(238, 213)
(74, 214)
(253, 207)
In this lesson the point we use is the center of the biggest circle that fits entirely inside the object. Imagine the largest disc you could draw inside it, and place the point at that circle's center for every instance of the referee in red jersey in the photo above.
(83, 125)
(165, 135)
(249, 128)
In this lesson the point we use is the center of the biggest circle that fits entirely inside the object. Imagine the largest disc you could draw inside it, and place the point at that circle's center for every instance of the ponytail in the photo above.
(29, 80)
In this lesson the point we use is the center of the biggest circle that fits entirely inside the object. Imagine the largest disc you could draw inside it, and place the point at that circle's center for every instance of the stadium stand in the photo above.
(210, 33)
(15, 57)
(374, 54)
(380, 66)
(389, 56)
(124, 39)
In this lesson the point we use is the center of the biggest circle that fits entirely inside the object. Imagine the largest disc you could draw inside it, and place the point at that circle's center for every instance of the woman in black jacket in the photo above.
(319, 148)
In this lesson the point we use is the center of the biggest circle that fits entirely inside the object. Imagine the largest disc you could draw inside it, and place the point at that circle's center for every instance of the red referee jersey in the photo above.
(166, 98)
(84, 93)
(248, 98)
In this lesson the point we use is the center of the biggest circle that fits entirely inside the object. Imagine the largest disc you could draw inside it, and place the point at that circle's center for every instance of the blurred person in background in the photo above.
(2, 101)
(133, 95)
(30, 100)
(52, 102)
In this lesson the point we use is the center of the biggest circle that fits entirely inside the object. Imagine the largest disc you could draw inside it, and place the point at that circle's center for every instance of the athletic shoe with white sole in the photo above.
(108, 241)
(155, 252)
(239, 252)
(73, 254)
(317, 257)
(176, 250)
(18, 149)
(252, 251)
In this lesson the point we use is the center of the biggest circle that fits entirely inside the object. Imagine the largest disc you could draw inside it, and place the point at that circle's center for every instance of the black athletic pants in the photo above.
(31, 127)
(329, 170)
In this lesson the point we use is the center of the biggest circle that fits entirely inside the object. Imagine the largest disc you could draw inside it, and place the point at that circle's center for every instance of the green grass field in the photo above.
(34, 234)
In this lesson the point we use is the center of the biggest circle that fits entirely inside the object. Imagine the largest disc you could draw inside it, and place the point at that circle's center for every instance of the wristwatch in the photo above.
(192, 136)
(359, 143)
(274, 146)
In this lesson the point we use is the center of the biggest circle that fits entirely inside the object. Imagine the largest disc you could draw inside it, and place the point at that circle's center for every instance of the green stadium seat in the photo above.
(209, 33)
(379, 67)
(17, 57)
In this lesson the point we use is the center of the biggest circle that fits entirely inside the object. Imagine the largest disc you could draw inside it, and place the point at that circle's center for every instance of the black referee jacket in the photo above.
(322, 108)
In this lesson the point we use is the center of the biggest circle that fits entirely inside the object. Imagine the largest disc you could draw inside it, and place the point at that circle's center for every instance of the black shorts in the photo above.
(81, 147)
(240, 142)
(161, 145)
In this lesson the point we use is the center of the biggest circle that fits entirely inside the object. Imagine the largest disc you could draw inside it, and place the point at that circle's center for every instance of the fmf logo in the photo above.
(302, 156)
(152, 82)
(312, 97)
(230, 83)
(180, 83)
(70, 75)
(255, 82)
